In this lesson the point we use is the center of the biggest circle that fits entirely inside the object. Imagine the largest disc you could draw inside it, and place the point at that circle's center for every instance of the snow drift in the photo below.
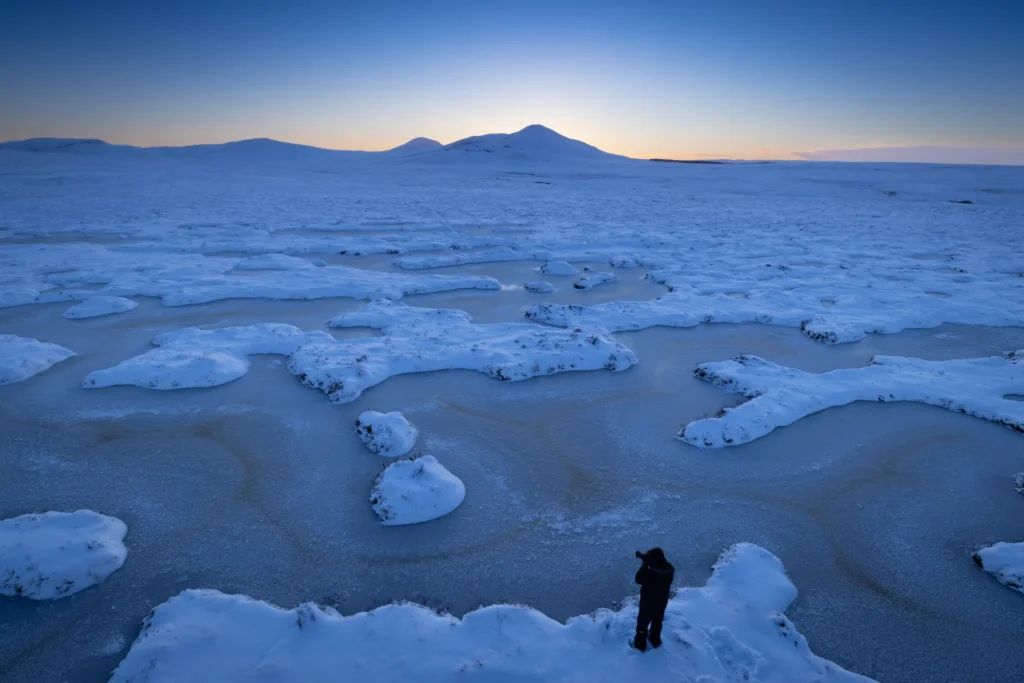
(387, 434)
(22, 357)
(732, 629)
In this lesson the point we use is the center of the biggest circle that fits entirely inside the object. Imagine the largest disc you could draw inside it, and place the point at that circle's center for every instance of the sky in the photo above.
(645, 78)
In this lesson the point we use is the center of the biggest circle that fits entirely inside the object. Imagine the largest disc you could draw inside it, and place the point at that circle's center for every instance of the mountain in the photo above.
(533, 143)
(415, 146)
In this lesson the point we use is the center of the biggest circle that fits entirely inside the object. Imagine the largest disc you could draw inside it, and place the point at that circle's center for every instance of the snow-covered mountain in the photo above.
(415, 146)
(534, 143)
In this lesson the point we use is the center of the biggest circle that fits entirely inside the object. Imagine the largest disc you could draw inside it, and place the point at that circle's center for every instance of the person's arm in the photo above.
(641, 574)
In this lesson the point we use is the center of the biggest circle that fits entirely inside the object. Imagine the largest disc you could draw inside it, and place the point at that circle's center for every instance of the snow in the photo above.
(96, 306)
(191, 357)
(539, 287)
(416, 146)
(21, 357)
(1018, 482)
(272, 262)
(414, 340)
(535, 142)
(595, 279)
(56, 554)
(1005, 561)
(427, 340)
(386, 434)
(558, 268)
(781, 395)
(415, 491)
(732, 629)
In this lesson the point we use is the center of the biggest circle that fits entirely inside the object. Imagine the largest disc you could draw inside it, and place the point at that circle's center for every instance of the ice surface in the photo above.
(386, 434)
(55, 554)
(780, 395)
(731, 629)
(595, 279)
(539, 287)
(21, 357)
(1005, 561)
(96, 306)
(415, 491)
(192, 357)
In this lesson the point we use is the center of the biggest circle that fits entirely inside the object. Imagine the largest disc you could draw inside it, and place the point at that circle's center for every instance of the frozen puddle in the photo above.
(413, 340)
(56, 554)
(780, 395)
(732, 629)
(21, 357)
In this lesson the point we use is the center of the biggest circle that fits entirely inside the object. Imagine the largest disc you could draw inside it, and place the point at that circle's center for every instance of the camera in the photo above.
(639, 555)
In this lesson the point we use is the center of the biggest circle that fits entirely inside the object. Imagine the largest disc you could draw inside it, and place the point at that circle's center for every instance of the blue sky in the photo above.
(647, 78)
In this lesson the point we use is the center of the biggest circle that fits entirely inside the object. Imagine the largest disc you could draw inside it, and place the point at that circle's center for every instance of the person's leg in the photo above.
(643, 619)
(656, 620)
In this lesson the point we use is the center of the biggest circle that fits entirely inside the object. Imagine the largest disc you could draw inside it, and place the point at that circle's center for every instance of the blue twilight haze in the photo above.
(751, 78)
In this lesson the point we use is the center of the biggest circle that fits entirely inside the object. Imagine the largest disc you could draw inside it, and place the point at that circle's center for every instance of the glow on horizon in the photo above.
(652, 78)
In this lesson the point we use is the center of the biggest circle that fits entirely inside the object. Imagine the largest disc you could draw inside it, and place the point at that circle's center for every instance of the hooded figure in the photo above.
(655, 579)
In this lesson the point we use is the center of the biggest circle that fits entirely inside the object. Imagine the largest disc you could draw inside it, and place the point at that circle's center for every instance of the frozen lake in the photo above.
(260, 486)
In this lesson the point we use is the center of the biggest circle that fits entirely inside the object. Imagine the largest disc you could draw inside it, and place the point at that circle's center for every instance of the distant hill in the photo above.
(536, 143)
(415, 146)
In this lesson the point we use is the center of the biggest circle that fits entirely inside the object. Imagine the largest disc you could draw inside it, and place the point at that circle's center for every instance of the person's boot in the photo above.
(638, 642)
(655, 642)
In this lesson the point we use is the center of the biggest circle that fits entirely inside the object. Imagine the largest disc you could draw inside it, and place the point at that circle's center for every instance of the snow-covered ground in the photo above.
(55, 554)
(732, 629)
(1005, 561)
(239, 256)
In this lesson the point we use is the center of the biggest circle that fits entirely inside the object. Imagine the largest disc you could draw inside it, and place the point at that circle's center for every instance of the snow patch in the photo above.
(191, 357)
(96, 306)
(595, 279)
(386, 434)
(732, 629)
(558, 268)
(414, 491)
(23, 357)
(539, 287)
(781, 395)
(1005, 561)
(56, 554)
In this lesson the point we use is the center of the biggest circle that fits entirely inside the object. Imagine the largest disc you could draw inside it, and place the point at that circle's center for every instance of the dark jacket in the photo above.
(655, 579)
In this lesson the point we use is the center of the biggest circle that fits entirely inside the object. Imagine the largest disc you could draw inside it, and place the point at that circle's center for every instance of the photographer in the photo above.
(655, 579)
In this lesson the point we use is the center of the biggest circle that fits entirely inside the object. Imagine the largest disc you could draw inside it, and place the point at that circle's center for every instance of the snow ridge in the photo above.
(731, 629)
(782, 395)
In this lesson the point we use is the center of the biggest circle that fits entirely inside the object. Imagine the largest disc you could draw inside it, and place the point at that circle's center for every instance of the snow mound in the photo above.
(56, 554)
(623, 262)
(414, 340)
(23, 357)
(387, 434)
(534, 142)
(96, 306)
(539, 287)
(558, 268)
(1005, 561)
(732, 629)
(595, 279)
(782, 395)
(414, 491)
(429, 339)
(191, 357)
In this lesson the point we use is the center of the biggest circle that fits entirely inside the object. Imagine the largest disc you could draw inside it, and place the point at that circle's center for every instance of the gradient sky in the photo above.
(757, 78)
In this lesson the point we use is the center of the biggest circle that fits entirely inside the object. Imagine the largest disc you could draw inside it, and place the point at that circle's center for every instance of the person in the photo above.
(655, 579)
